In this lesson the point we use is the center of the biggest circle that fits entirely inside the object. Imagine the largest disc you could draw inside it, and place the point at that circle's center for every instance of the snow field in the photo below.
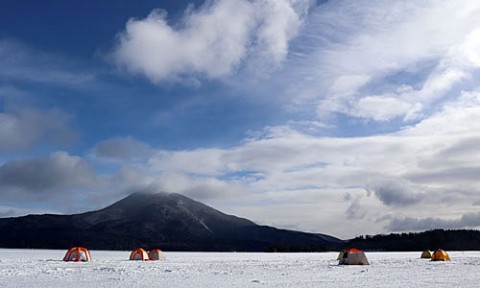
(45, 268)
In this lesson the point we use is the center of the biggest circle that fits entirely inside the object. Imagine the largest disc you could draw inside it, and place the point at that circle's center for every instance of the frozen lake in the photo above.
(45, 268)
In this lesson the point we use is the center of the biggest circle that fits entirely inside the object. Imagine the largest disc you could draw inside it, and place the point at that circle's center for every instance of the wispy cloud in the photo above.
(381, 60)
(22, 64)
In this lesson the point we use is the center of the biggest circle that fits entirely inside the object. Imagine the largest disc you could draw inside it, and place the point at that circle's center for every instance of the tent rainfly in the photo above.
(353, 256)
(440, 255)
(77, 254)
(139, 254)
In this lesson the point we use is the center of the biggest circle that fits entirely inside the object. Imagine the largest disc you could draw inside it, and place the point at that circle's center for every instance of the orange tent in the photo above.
(440, 255)
(156, 254)
(139, 254)
(78, 254)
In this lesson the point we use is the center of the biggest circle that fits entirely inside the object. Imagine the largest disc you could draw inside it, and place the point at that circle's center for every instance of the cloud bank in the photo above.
(416, 171)
(468, 220)
(373, 183)
(45, 178)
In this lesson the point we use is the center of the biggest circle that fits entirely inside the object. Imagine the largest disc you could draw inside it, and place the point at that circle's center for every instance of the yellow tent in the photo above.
(426, 254)
(440, 255)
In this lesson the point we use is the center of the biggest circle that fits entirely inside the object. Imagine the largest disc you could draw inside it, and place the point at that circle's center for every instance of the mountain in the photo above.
(432, 240)
(165, 220)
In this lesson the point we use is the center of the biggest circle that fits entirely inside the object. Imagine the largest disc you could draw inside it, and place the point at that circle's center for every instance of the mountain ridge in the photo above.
(448, 239)
(166, 220)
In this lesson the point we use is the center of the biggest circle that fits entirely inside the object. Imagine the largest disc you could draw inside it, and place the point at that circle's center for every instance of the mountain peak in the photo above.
(168, 220)
(163, 207)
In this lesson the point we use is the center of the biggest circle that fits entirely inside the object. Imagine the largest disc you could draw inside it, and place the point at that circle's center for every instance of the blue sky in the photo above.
(340, 117)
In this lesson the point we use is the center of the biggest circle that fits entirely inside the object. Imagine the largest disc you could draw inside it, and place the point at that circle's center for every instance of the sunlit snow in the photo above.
(44, 268)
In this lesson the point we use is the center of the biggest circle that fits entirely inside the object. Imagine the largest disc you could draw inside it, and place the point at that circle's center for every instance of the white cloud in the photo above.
(348, 84)
(381, 108)
(279, 22)
(212, 40)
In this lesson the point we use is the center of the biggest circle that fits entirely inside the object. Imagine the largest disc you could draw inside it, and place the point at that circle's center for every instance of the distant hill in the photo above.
(433, 239)
(164, 220)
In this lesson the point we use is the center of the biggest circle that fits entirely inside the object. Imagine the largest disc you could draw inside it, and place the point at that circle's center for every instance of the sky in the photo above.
(340, 117)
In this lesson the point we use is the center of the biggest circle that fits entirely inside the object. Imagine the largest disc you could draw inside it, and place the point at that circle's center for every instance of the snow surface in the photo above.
(45, 268)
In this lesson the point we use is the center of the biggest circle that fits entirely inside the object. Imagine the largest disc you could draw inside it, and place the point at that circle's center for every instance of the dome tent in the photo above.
(156, 254)
(340, 255)
(353, 256)
(426, 254)
(139, 254)
(440, 255)
(77, 254)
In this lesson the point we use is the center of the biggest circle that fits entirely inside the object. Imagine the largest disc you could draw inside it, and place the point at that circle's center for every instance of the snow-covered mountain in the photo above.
(165, 220)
